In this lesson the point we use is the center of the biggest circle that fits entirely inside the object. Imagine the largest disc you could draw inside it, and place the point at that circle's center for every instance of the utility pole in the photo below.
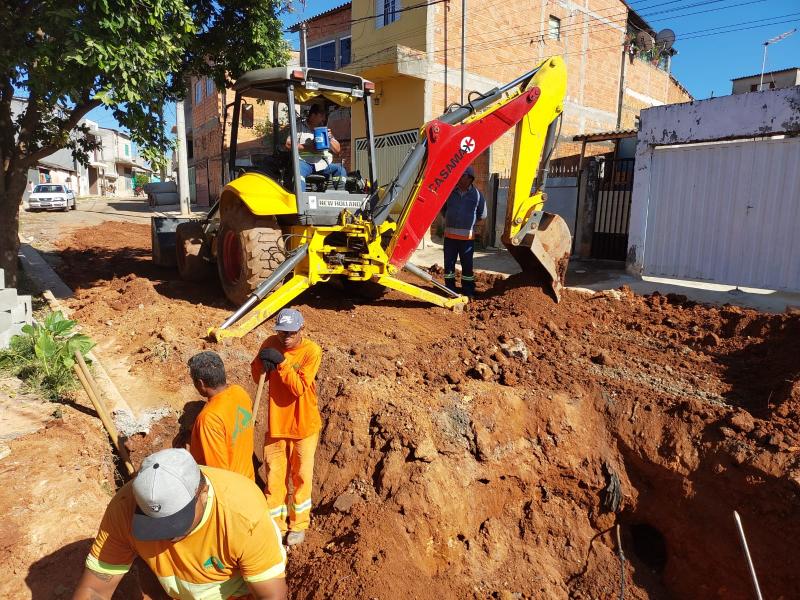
(463, 44)
(183, 166)
(303, 45)
(162, 169)
(777, 38)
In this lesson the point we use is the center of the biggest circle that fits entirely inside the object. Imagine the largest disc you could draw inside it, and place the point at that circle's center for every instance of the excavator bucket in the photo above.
(544, 254)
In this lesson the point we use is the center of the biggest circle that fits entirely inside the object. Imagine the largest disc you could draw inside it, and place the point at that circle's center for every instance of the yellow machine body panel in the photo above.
(262, 196)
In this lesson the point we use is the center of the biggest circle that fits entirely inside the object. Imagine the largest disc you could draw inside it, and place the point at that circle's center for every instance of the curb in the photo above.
(53, 289)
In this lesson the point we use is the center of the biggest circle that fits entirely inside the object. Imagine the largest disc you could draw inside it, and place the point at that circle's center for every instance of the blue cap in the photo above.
(289, 319)
(470, 171)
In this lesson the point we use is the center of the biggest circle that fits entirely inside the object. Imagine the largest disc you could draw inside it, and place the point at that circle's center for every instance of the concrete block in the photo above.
(5, 321)
(23, 312)
(6, 335)
(8, 298)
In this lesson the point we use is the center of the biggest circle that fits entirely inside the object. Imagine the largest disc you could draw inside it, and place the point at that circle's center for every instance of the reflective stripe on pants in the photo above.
(290, 461)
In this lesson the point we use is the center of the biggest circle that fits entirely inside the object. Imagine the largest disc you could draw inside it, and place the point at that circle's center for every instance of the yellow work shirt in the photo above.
(236, 541)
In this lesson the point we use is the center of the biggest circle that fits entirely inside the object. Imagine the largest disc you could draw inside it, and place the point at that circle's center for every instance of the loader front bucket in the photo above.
(544, 253)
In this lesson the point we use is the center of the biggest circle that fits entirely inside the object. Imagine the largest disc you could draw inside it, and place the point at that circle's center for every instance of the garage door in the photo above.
(727, 213)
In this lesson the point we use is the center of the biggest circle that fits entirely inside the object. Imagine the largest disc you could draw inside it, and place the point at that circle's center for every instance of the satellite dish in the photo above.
(665, 38)
(644, 40)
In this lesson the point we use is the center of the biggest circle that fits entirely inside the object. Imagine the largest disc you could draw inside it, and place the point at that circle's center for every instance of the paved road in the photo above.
(42, 229)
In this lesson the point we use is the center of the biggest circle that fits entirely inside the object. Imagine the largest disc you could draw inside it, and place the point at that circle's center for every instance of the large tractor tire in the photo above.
(249, 249)
(190, 252)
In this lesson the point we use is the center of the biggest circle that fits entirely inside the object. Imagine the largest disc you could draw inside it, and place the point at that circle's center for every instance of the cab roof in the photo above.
(270, 84)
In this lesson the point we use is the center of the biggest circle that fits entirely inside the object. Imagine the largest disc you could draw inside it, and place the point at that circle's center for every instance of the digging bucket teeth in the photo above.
(544, 254)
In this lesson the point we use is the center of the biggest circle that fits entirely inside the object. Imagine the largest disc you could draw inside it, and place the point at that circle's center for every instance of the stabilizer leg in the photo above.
(264, 309)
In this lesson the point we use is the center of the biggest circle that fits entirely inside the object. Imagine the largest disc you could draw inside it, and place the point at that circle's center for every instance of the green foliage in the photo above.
(43, 355)
(67, 58)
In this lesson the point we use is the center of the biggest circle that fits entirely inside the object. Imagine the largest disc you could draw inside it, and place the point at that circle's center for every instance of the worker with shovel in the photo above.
(204, 532)
(222, 435)
(290, 362)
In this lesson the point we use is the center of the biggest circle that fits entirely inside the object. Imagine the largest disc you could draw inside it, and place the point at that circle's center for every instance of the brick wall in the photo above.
(207, 138)
(328, 27)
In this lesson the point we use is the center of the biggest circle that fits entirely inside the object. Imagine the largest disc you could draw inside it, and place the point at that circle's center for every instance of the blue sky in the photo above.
(705, 63)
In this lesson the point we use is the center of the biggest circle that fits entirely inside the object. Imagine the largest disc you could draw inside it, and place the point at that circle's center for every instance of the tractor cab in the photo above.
(269, 171)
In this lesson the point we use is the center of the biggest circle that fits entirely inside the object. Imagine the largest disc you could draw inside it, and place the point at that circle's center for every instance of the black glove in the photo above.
(270, 358)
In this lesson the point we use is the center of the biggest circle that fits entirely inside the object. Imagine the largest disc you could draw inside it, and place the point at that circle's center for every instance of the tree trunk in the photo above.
(10, 204)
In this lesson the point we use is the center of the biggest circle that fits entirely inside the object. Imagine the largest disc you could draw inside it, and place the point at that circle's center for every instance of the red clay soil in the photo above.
(479, 454)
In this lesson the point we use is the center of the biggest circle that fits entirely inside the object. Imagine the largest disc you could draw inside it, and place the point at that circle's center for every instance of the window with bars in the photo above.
(386, 12)
(554, 28)
(322, 56)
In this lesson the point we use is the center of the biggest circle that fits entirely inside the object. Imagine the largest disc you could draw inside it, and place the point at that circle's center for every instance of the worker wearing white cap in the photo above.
(204, 532)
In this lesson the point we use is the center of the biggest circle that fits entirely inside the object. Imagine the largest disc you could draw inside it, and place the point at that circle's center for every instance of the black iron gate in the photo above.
(612, 209)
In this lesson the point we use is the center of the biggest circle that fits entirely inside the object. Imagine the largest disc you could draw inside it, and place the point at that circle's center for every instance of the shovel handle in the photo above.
(260, 391)
(89, 386)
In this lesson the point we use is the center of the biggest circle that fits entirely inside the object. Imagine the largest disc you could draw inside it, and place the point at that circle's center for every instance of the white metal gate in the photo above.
(391, 150)
(727, 213)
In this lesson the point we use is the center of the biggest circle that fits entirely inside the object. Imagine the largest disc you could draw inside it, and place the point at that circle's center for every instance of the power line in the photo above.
(736, 27)
(367, 18)
(577, 27)
(527, 39)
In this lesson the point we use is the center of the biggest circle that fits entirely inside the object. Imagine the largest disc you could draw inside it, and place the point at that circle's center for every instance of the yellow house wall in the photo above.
(408, 30)
(399, 106)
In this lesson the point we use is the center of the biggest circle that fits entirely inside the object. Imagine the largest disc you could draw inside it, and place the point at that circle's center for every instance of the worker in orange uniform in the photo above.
(204, 532)
(222, 435)
(291, 363)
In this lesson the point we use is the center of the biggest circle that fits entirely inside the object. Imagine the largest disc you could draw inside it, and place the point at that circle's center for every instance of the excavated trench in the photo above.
(493, 453)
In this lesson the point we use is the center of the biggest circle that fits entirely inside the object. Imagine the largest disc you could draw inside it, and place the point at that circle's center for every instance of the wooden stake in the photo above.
(90, 388)
(259, 391)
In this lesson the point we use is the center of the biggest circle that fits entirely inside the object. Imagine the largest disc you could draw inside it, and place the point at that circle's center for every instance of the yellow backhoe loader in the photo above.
(274, 233)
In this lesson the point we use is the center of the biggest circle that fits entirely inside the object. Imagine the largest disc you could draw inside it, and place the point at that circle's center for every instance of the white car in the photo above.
(51, 196)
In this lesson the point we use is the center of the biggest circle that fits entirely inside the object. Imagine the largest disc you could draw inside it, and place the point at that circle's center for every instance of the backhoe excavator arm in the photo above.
(533, 107)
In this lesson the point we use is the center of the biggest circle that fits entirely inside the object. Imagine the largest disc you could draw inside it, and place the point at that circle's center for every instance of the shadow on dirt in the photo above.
(763, 372)
(55, 576)
(681, 533)
(87, 268)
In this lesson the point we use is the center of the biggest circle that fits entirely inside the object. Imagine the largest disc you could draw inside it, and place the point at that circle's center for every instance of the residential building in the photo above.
(208, 117)
(414, 57)
(59, 167)
(771, 80)
(110, 169)
(119, 162)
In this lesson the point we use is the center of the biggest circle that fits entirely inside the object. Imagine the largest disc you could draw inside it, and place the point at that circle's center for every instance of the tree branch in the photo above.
(68, 125)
